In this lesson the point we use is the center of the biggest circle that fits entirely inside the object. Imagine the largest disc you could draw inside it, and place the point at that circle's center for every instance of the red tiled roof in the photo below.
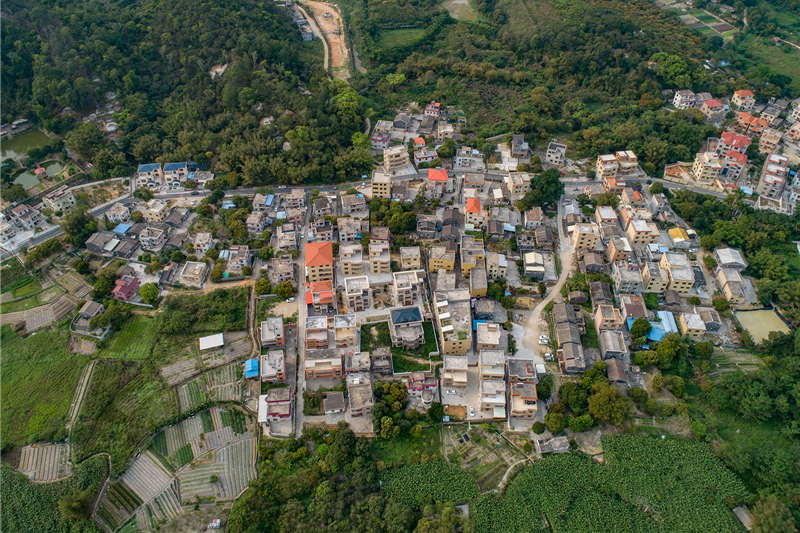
(320, 286)
(309, 297)
(473, 205)
(713, 103)
(419, 141)
(319, 254)
(744, 94)
(437, 174)
(739, 157)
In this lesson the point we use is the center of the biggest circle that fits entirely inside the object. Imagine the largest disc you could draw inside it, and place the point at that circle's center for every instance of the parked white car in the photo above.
(543, 337)
(471, 411)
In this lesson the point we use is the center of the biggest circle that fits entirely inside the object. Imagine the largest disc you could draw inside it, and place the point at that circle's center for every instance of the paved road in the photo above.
(313, 23)
(301, 330)
(530, 340)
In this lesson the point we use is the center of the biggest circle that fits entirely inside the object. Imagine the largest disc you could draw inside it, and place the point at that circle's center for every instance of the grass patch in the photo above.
(406, 447)
(265, 386)
(265, 307)
(38, 382)
(134, 341)
(775, 57)
(393, 38)
(590, 339)
(402, 364)
(37, 299)
(125, 401)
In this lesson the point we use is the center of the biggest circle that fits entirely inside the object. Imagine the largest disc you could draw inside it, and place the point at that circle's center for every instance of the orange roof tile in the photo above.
(319, 254)
(419, 141)
(321, 286)
(437, 174)
(473, 205)
(744, 94)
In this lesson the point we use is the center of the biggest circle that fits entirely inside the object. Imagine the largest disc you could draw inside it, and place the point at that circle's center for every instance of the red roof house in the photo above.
(125, 287)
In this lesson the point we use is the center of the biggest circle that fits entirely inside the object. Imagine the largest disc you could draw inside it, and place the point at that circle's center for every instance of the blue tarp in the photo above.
(270, 199)
(251, 368)
(122, 229)
(228, 205)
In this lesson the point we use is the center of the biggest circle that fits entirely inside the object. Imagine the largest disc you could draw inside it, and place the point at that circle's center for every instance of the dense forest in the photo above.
(157, 58)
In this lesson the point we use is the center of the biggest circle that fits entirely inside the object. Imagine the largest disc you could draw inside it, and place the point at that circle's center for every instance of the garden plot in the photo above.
(73, 284)
(224, 382)
(146, 477)
(185, 368)
(164, 508)
(192, 394)
(45, 463)
(116, 505)
(484, 454)
(238, 346)
(234, 467)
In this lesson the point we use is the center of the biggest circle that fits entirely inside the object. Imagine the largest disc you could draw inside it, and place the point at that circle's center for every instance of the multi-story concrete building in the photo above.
(323, 364)
(381, 185)
(238, 258)
(713, 110)
(618, 249)
(607, 317)
(496, 265)
(405, 327)
(518, 183)
(441, 259)
(684, 99)
(627, 277)
(354, 204)
(357, 293)
(360, 396)
(60, 199)
(679, 269)
(732, 286)
(350, 259)
(193, 273)
(118, 213)
(454, 373)
(493, 397)
(317, 333)
(641, 232)
(319, 261)
(152, 238)
(691, 325)
(410, 258)
(344, 331)
(743, 100)
(203, 242)
(773, 176)
(585, 236)
(556, 154)
(296, 198)
(395, 158)
(474, 213)
(769, 140)
(273, 366)
(488, 336)
(379, 259)
(473, 254)
(407, 286)
(282, 268)
(707, 166)
(730, 258)
(271, 333)
(351, 229)
(655, 278)
(454, 320)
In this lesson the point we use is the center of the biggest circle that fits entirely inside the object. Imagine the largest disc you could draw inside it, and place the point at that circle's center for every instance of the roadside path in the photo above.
(314, 28)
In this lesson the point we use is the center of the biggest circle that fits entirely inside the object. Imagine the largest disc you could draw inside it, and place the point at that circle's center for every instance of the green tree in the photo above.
(641, 328)
(606, 403)
(76, 506)
(581, 423)
(78, 224)
(284, 289)
(721, 304)
(772, 515)
(658, 382)
(703, 350)
(555, 422)
(144, 194)
(86, 140)
(176, 256)
(137, 217)
(435, 412)
(638, 395)
(149, 293)
(15, 193)
(657, 188)
(538, 428)
(544, 388)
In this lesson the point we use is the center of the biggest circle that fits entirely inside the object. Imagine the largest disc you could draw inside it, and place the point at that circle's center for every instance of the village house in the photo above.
(193, 273)
(357, 294)
(405, 327)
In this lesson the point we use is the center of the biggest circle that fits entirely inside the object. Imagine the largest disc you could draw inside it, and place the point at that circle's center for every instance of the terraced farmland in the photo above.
(165, 507)
(45, 463)
(238, 346)
(186, 367)
(234, 466)
(117, 505)
(192, 394)
(224, 382)
(146, 477)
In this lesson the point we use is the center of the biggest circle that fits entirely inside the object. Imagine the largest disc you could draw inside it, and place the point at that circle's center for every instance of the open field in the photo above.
(124, 401)
(393, 38)
(781, 59)
(45, 463)
(40, 298)
(38, 382)
(336, 42)
(405, 447)
(134, 341)
(216, 312)
(484, 454)
(191, 394)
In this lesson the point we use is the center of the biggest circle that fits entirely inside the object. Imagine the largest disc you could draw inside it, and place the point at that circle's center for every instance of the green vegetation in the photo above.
(208, 423)
(30, 506)
(125, 401)
(393, 38)
(183, 456)
(38, 383)
(20, 284)
(406, 448)
(134, 341)
(221, 310)
(32, 300)
(646, 485)
(402, 364)
(412, 484)
(234, 419)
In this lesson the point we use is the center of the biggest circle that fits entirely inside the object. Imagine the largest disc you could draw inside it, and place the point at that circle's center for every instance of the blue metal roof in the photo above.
(270, 199)
(228, 205)
(251, 373)
(360, 195)
(476, 322)
(251, 364)
(509, 227)
(122, 228)
(173, 166)
(668, 320)
(149, 167)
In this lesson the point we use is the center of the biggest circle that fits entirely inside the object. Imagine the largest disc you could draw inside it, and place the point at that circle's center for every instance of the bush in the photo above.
(721, 304)
(694, 300)
(651, 301)
(247, 271)
(658, 382)
(651, 407)
(667, 409)
(538, 428)
(555, 422)
(638, 395)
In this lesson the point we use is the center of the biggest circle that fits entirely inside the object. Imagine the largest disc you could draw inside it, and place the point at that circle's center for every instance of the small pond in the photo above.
(17, 147)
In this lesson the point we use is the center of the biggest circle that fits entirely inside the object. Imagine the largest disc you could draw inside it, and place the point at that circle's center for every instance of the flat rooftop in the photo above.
(356, 284)
(492, 357)
(344, 321)
(316, 322)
